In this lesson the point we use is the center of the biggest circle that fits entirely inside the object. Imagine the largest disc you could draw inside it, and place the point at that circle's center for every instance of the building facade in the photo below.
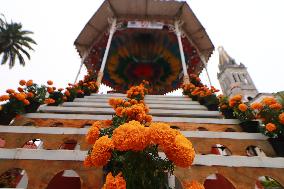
(234, 78)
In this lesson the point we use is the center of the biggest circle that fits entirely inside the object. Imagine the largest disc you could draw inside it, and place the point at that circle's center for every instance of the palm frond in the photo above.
(24, 51)
(4, 58)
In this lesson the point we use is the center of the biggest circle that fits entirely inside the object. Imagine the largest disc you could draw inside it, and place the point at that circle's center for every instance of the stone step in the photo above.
(200, 160)
(110, 111)
(151, 106)
(148, 102)
(147, 97)
(155, 118)
(83, 131)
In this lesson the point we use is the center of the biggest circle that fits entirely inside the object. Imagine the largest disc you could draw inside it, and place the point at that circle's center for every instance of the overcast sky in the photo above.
(250, 31)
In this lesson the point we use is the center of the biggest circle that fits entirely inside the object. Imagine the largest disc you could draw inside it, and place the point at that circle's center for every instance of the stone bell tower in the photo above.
(234, 78)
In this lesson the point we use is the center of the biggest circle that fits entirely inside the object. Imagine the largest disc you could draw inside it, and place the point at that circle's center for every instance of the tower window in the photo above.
(234, 76)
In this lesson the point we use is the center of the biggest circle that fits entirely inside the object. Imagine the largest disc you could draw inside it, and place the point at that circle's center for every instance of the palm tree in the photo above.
(14, 42)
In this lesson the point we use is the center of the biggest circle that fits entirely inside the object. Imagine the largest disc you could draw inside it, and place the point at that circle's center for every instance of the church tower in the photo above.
(234, 78)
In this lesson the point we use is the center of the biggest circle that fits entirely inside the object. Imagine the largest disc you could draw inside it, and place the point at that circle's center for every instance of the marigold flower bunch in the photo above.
(116, 182)
(128, 143)
(270, 112)
(130, 109)
(242, 110)
(138, 92)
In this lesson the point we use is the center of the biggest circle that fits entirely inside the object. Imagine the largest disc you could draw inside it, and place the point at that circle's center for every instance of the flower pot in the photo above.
(194, 98)
(201, 101)
(250, 126)
(5, 119)
(212, 107)
(278, 145)
(32, 107)
(228, 114)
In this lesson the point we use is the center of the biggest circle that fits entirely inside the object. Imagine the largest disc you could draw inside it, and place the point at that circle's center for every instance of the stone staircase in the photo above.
(71, 120)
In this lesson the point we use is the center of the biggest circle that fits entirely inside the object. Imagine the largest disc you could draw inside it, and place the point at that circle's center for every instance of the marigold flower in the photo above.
(1, 108)
(268, 101)
(93, 134)
(30, 95)
(88, 161)
(281, 118)
(26, 102)
(20, 89)
(50, 90)
(67, 93)
(130, 136)
(275, 106)
(224, 106)
(256, 106)
(22, 82)
(162, 134)
(118, 111)
(20, 96)
(116, 182)
(4, 98)
(49, 101)
(29, 83)
(181, 152)
(243, 107)
(10, 91)
(101, 151)
(232, 103)
(192, 185)
(64, 98)
(237, 97)
(270, 127)
(49, 82)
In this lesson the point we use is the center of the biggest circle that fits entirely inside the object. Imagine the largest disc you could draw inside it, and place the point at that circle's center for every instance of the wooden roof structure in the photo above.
(152, 10)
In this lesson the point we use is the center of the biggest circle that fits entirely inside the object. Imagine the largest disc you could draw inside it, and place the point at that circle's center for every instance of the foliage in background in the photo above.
(14, 43)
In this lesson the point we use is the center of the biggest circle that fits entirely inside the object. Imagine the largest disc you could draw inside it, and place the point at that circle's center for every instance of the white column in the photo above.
(203, 60)
(82, 62)
(178, 33)
(111, 32)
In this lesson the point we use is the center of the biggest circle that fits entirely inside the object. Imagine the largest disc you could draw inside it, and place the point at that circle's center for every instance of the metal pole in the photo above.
(111, 32)
(178, 33)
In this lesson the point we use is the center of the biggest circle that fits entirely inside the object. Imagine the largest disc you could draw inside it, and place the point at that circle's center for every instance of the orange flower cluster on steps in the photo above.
(135, 137)
(139, 91)
(192, 185)
(132, 109)
(116, 182)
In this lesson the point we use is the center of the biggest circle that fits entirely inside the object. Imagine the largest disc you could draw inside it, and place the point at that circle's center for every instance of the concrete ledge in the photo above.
(151, 106)
(38, 154)
(203, 160)
(147, 101)
(155, 118)
(147, 97)
(110, 111)
(83, 131)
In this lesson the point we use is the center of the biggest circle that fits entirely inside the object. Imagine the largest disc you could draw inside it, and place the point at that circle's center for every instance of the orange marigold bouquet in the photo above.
(271, 113)
(205, 95)
(138, 92)
(129, 148)
(27, 98)
(242, 110)
(224, 107)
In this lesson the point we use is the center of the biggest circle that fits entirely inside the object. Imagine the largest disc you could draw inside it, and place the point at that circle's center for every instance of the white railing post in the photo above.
(179, 33)
(111, 33)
